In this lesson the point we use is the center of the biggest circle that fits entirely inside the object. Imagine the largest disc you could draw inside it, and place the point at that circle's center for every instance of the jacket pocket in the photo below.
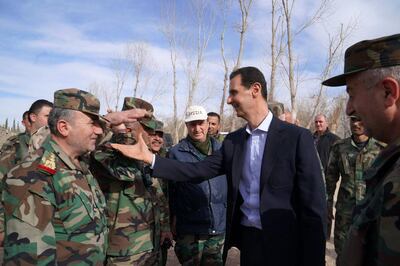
(77, 210)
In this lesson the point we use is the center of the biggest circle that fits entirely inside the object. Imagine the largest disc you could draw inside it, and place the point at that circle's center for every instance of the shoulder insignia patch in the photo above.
(48, 163)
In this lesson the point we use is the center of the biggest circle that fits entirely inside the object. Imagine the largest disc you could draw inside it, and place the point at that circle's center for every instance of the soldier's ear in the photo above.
(32, 117)
(63, 127)
(392, 91)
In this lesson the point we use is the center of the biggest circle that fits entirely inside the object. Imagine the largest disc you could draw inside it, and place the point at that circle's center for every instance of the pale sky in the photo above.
(49, 45)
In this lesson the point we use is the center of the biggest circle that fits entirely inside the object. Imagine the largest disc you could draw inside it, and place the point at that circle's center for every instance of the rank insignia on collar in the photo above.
(48, 163)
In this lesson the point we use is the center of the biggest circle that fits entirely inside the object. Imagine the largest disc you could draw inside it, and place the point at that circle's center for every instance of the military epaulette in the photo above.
(47, 164)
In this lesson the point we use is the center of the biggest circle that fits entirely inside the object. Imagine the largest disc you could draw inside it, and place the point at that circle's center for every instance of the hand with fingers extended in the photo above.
(127, 116)
(139, 151)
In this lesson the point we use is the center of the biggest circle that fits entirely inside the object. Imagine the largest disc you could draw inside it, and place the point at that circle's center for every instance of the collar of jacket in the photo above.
(186, 146)
(323, 134)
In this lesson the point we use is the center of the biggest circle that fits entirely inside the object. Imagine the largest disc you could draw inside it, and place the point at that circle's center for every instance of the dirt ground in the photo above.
(234, 255)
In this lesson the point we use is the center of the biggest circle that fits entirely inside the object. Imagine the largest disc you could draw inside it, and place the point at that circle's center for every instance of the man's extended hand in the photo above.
(139, 151)
(117, 118)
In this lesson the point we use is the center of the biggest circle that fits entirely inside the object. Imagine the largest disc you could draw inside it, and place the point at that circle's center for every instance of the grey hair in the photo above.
(378, 74)
(57, 114)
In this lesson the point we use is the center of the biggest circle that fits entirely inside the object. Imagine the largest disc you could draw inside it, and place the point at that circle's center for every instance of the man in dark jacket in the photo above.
(323, 139)
(199, 208)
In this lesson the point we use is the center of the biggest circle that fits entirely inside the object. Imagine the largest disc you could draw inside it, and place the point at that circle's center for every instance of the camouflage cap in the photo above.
(369, 54)
(136, 103)
(78, 100)
(159, 126)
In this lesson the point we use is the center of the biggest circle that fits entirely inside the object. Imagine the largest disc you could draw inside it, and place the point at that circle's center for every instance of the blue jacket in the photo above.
(200, 207)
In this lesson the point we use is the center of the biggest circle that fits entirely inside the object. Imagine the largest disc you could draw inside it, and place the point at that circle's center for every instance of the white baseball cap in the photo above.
(195, 112)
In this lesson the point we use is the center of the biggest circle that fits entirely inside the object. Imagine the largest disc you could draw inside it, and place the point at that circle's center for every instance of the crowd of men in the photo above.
(79, 188)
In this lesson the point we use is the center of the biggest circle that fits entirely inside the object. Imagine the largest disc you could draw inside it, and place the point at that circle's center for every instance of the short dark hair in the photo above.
(37, 106)
(251, 75)
(214, 114)
(57, 114)
(25, 115)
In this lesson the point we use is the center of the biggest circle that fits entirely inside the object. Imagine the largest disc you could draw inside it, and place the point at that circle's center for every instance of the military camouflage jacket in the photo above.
(375, 233)
(349, 162)
(54, 212)
(136, 206)
(13, 151)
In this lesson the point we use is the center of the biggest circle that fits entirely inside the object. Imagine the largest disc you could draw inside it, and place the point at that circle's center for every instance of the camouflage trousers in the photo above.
(148, 258)
(200, 249)
(342, 226)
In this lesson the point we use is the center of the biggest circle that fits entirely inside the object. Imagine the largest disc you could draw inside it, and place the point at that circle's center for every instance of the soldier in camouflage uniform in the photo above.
(16, 147)
(54, 208)
(348, 159)
(372, 76)
(138, 214)
(156, 143)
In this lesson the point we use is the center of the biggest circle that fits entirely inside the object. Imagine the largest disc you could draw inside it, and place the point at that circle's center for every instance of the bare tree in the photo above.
(121, 70)
(224, 7)
(138, 56)
(287, 6)
(169, 29)
(204, 20)
(277, 35)
(245, 6)
(337, 112)
(335, 51)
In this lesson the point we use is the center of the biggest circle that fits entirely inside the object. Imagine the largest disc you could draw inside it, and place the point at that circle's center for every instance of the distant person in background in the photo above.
(277, 109)
(25, 121)
(16, 147)
(290, 118)
(39, 114)
(323, 140)
(214, 126)
(156, 140)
